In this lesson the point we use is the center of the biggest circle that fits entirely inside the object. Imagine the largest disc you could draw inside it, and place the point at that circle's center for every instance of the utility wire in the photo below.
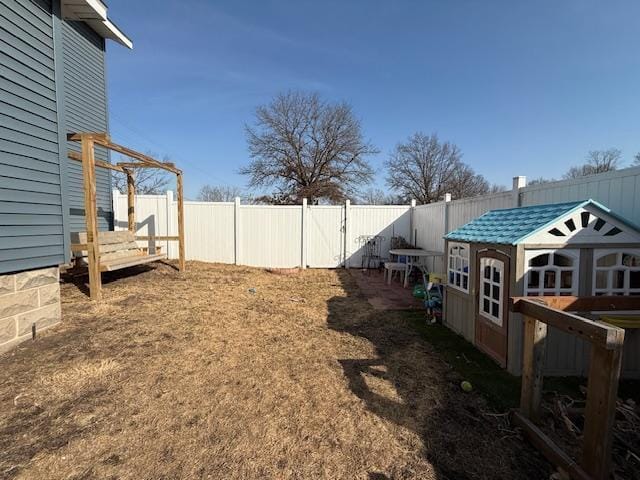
(131, 130)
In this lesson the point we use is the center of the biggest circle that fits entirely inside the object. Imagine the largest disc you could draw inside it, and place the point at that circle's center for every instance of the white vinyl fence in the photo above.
(265, 235)
(331, 236)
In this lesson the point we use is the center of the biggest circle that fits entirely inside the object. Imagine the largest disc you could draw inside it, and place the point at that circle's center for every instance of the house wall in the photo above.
(28, 300)
(85, 110)
(31, 195)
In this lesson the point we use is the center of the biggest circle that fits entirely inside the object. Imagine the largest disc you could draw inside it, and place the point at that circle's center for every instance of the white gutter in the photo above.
(108, 29)
(94, 14)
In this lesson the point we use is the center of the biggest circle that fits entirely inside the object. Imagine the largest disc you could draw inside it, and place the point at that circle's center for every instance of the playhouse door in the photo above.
(492, 305)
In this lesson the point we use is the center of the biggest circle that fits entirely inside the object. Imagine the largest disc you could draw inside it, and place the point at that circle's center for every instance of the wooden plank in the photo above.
(106, 238)
(600, 412)
(101, 138)
(131, 202)
(535, 334)
(81, 249)
(99, 163)
(138, 156)
(144, 165)
(91, 218)
(596, 333)
(156, 237)
(118, 254)
(78, 247)
(126, 262)
(116, 247)
(95, 136)
(110, 256)
(592, 304)
(181, 254)
(549, 449)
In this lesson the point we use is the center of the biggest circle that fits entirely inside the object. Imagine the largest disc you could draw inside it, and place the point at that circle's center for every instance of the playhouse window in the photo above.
(491, 289)
(616, 272)
(458, 267)
(550, 272)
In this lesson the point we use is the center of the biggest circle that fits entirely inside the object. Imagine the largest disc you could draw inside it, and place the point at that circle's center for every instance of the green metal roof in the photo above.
(512, 225)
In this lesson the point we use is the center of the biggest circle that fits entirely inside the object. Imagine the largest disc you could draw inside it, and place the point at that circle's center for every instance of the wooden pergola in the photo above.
(88, 141)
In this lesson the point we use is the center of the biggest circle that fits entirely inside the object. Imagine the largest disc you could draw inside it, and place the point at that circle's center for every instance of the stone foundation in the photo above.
(28, 298)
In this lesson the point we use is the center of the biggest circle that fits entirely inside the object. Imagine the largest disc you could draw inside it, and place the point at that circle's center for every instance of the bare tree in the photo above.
(423, 168)
(597, 161)
(377, 196)
(636, 159)
(304, 146)
(540, 181)
(148, 181)
(219, 193)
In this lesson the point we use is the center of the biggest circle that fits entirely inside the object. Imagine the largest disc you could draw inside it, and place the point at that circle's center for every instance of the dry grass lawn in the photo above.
(235, 372)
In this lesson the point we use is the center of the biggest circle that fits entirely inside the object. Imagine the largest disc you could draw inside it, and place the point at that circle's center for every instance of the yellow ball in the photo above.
(466, 386)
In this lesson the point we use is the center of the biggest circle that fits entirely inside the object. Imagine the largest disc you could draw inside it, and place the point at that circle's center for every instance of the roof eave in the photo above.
(108, 29)
(94, 14)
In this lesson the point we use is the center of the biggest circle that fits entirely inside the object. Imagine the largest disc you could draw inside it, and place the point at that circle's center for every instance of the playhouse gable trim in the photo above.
(588, 223)
(581, 222)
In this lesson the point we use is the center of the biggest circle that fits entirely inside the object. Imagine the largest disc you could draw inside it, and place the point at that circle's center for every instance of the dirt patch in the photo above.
(233, 372)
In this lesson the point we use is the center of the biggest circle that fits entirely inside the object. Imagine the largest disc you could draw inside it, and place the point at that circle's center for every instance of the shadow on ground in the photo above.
(408, 383)
(81, 280)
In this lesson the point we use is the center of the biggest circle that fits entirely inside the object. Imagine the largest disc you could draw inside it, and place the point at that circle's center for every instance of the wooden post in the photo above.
(600, 412)
(180, 222)
(131, 208)
(535, 334)
(170, 220)
(91, 216)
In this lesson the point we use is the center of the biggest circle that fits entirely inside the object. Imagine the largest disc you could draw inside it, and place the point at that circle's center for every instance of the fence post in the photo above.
(447, 203)
(236, 231)
(169, 206)
(347, 232)
(303, 247)
(412, 229)
(518, 183)
(114, 207)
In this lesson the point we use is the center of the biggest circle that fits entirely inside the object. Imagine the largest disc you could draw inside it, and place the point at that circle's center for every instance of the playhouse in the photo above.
(574, 249)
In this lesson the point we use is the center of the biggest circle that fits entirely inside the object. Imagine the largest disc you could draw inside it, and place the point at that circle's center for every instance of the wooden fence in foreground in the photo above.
(607, 342)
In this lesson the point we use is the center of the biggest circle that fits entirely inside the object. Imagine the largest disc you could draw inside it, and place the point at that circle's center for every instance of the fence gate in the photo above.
(324, 232)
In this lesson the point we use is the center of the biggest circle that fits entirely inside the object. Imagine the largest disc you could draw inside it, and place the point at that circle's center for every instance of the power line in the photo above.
(132, 130)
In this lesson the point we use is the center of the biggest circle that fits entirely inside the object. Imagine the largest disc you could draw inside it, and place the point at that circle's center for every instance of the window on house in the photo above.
(616, 272)
(491, 289)
(458, 266)
(551, 272)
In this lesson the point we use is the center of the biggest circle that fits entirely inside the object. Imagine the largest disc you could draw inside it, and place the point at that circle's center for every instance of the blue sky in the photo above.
(522, 87)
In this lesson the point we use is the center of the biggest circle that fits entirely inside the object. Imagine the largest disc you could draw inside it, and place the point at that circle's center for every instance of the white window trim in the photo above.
(454, 270)
(603, 252)
(498, 265)
(530, 254)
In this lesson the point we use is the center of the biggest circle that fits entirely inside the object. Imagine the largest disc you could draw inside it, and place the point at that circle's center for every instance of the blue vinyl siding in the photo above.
(85, 111)
(31, 212)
